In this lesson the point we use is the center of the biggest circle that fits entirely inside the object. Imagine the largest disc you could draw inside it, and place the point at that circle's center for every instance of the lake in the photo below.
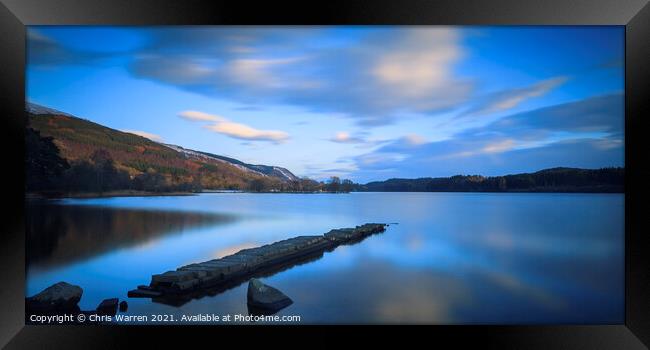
(451, 258)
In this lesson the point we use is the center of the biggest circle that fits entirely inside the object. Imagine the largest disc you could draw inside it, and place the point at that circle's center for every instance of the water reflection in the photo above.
(454, 258)
(63, 234)
(181, 300)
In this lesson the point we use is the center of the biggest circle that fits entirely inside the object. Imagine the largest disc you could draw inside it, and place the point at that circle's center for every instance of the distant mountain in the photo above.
(547, 180)
(79, 140)
(267, 170)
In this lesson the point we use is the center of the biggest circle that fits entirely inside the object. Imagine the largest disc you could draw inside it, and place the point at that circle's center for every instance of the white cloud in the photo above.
(245, 132)
(414, 139)
(379, 76)
(145, 134)
(489, 148)
(34, 34)
(512, 98)
(379, 158)
(200, 116)
(240, 131)
(173, 70)
(610, 143)
(344, 137)
(417, 70)
(257, 73)
(242, 49)
(499, 147)
(421, 62)
(359, 140)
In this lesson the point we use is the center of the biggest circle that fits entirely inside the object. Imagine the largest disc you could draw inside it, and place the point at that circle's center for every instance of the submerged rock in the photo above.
(143, 293)
(123, 306)
(61, 296)
(265, 297)
(108, 307)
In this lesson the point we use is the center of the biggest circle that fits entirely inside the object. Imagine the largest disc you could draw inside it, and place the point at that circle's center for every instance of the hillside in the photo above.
(548, 180)
(265, 170)
(82, 144)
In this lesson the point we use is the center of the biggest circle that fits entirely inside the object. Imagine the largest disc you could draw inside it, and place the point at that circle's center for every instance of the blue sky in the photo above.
(360, 102)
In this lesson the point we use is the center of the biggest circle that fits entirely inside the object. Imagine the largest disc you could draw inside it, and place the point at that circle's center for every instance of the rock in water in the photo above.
(108, 307)
(61, 296)
(265, 297)
(123, 306)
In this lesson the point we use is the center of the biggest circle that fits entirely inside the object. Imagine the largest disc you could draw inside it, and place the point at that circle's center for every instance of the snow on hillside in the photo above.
(201, 156)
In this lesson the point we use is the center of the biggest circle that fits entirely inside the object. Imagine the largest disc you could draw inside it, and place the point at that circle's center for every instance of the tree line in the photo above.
(47, 171)
(549, 180)
(304, 185)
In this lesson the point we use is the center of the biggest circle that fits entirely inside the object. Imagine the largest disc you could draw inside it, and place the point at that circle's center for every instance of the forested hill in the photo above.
(548, 180)
(70, 154)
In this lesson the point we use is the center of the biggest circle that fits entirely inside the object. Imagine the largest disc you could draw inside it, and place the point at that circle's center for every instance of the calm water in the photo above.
(454, 258)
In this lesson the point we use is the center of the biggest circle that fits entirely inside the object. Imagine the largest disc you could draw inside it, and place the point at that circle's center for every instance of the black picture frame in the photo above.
(633, 14)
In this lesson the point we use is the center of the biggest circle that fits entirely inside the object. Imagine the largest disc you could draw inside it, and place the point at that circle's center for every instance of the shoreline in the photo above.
(129, 193)
(133, 193)
(109, 194)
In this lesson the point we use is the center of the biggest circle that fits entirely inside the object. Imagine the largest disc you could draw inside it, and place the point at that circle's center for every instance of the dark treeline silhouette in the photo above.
(305, 185)
(46, 172)
(548, 180)
(43, 165)
(101, 175)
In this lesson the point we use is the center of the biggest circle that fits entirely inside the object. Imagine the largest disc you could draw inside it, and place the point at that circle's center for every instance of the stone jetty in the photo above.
(246, 262)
